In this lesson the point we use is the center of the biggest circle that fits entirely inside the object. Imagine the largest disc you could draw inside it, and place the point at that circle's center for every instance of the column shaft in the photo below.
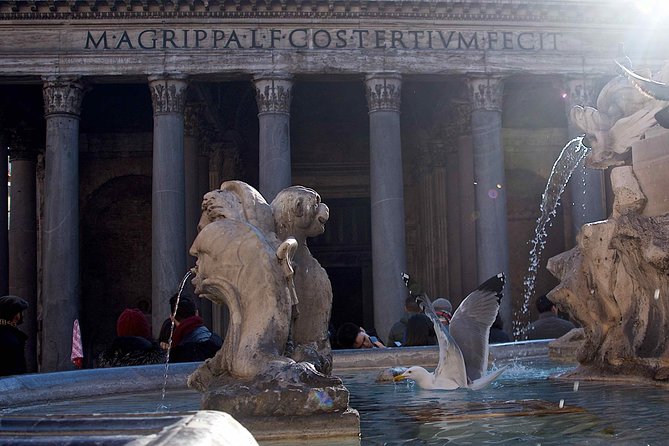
(60, 275)
(273, 95)
(387, 199)
(168, 243)
(23, 246)
(4, 240)
(191, 177)
(491, 225)
(586, 185)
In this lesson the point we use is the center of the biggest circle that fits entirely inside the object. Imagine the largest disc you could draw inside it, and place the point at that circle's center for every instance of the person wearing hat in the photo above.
(133, 344)
(12, 340)
(443, 309)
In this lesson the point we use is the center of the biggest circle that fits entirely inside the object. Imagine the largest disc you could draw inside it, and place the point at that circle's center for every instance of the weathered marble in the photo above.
(614, 283)
(242, 264)
(299, 214)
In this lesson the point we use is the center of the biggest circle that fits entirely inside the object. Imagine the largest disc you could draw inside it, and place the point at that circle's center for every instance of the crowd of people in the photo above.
(188, 339)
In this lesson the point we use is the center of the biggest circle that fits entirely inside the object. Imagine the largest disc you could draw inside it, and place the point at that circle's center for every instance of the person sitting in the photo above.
(397, 331)
(192, 341)
(497, 334)
(351, 335)
(133, 344)
(443, 309)
(420, 331)
(12, 340)
(549, 325)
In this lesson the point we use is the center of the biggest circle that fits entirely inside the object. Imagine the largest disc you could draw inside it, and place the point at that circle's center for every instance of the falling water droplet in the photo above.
(657, 294)
(570, 158)
(575, 386)
(561, 405)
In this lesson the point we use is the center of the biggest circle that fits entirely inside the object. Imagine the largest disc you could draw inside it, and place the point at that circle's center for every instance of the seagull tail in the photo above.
(484, 381)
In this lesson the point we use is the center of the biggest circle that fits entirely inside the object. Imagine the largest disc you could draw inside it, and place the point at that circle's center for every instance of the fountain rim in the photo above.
(42, 388)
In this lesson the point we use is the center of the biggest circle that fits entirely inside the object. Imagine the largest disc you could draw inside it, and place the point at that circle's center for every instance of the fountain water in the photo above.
(162, 406)
(569, 159)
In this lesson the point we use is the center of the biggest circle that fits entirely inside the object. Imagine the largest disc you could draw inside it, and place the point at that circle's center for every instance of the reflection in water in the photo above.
(521, 408)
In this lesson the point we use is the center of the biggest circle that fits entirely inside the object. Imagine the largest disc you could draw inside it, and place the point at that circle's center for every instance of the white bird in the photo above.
(463, 353)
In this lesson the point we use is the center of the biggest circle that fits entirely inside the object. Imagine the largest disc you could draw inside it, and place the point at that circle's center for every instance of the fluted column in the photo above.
(23, 237)
(60, 274)
(168, 242)
(273, 95)
(387, 198)
(491, 223)
(586, 185)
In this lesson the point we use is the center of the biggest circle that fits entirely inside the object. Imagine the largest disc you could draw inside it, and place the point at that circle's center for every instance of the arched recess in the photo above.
(115, 258)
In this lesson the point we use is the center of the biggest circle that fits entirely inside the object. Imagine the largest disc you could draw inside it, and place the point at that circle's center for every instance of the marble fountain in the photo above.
(276, 381)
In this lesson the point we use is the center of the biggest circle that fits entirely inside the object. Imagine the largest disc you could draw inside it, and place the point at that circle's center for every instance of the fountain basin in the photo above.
(522, 406)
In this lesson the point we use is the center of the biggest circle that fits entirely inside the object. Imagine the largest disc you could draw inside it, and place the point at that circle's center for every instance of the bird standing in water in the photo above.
(463, 353)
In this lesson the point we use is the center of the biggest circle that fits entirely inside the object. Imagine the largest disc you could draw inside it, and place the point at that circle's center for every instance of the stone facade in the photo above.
(386, 109)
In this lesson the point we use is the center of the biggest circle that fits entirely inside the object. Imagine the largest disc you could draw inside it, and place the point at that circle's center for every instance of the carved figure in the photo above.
(299, 213)
(242, 265)
(614, 283)
(625, 111)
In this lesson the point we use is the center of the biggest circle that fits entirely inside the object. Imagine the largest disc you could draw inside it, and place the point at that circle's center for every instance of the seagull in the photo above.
(463, 353)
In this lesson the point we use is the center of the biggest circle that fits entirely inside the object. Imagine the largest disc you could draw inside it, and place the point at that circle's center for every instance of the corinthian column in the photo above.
(168, 220)
(586, 185)
(60, 275)
(387, 198)
(492, 246)
(273, 94)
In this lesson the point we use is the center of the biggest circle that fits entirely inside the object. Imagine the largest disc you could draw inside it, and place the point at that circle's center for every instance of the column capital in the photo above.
(383, 91)
(485, 91)
(62, 95)
(168, 93)
(580, 90)
(273, 92)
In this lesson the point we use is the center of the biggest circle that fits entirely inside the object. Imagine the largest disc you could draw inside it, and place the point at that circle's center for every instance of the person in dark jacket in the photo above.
(420, 331)
(192, 341)
(133, 344)
(12, 340)
(549, 325)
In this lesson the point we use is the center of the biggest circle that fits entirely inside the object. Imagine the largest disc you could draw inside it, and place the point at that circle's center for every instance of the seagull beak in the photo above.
(399, 377)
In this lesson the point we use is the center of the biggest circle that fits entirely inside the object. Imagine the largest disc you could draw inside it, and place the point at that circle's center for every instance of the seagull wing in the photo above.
(451, 366)
(470, 325)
